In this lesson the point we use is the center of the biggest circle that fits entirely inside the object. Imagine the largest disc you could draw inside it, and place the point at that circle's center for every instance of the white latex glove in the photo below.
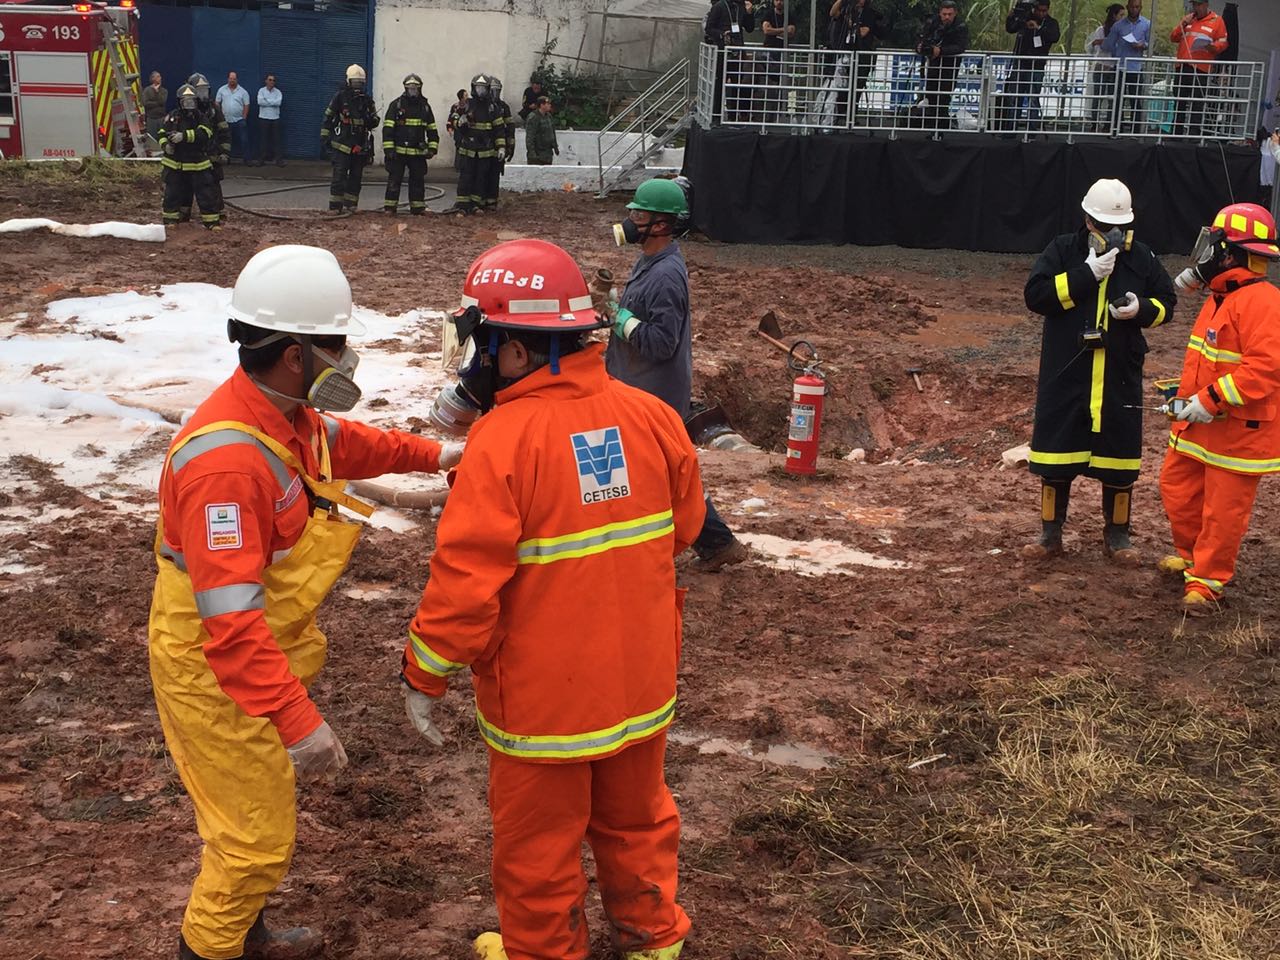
(177, 136)
(1129, 310)
(1102, 265)
(450, 454)
(1195, 412)
(318, 755)
(417, 707)
(1188, 281)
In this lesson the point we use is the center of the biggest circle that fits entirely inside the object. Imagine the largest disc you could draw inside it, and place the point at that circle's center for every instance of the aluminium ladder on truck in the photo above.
(125, 115)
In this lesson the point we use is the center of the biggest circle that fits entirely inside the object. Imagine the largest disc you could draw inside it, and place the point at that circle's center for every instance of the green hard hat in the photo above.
(660, 196)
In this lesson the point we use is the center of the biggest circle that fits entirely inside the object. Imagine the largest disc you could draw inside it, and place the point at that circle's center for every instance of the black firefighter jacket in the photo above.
(1082, 424)
(349, 122)
(952, 39)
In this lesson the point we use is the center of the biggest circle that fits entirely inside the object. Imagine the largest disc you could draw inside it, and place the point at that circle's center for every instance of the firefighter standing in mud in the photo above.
(346, 134)
(1098, 289)
(573, 498)
(248, 545)
(1228, 435)
(184, 139)
(220, 146)
(409, 140)
(479, 144)
(505, 133)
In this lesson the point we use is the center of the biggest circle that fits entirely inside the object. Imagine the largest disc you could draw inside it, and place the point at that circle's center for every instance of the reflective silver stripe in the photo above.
(226, 438)
(232, 598)
(169, 553)
(430, 661)
(533, 306)
(596, 542)
(331, 428)
(570, 746)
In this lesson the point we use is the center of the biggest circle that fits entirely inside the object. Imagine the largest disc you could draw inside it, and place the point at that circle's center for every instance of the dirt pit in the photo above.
(943, 753)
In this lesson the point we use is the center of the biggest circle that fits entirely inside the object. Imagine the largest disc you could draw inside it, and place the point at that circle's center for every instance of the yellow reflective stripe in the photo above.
(1084, 456)
(1239, 223)
(1099, 363)
(1215, 585)
(1115, 463)
(1079, 456)
(577, 745)
(430, 661)
(1213, 353)
(1064, 292)
(585, 543)
(1229, 390)
(1161, 313)
(1236, 464)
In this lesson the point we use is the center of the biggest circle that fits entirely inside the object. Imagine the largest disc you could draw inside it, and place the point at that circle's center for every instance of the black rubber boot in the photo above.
(185, 952)
(1055, 495)
(1115, 535)
(294, 943)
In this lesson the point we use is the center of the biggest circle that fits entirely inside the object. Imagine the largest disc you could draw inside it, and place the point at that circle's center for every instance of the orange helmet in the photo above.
(1250, 227)
(529, 285)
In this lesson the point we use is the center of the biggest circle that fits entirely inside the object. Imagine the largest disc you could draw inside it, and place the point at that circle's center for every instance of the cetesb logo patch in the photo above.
(222, 521)
(602, 465)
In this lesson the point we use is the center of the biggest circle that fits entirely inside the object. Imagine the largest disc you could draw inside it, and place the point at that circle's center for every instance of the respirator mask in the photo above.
(1207, 258)
(628, 231)
(332, 390)
(471, 349)
(1115, 238)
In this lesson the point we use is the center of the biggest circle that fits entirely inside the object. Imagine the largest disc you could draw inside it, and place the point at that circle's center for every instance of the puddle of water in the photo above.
(780, 754)
(815, 558)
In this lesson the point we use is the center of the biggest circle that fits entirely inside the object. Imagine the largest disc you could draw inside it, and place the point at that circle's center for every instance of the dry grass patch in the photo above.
(1072, 818)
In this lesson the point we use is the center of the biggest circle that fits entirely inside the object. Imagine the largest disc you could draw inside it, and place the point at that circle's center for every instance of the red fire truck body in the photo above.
(59, 94)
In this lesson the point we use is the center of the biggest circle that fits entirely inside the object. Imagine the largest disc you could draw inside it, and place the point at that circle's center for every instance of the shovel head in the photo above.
(769, 325)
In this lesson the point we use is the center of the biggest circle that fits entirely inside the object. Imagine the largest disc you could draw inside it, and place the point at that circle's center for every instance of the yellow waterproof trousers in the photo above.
(233, 765)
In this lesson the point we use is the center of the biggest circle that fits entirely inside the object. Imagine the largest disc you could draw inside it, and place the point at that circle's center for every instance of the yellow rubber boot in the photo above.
(1173, 564)
(660, 953)
(1197, 604)
(488, 946)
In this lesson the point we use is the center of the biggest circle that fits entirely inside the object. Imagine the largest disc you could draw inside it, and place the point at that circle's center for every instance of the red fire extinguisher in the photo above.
(807, 393)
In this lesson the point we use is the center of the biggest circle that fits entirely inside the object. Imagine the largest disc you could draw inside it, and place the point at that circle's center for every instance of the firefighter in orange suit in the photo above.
(554, 580)
(1228, 435)
(249, 543)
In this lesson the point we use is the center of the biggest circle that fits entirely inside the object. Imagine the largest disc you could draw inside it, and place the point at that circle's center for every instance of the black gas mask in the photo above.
(474, 346)
(1208, 260)
(628, 231)
(1106, 236)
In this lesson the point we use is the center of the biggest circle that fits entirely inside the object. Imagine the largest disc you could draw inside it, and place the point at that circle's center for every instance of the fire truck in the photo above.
(69, 80)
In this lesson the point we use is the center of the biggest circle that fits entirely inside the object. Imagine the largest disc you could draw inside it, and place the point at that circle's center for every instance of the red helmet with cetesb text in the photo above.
(1250, 227)
(530, 285)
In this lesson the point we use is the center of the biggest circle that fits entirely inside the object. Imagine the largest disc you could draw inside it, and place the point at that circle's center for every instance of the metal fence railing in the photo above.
(802, 90)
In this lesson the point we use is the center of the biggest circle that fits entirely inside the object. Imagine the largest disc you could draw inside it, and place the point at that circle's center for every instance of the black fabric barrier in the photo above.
(966, 193)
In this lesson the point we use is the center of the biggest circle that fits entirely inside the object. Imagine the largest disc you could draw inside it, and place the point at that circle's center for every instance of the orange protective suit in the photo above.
(1211, 471)
(247, 548)
(1200, 43)
(554, 580)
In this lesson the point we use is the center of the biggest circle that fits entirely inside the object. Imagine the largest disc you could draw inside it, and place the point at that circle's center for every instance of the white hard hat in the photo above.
(1109, 201)
(295, 289)
(355, 72)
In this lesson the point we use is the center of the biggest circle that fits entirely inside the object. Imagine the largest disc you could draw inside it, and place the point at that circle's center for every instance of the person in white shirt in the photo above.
(234, 101)
(1103, 74)
(269, 100)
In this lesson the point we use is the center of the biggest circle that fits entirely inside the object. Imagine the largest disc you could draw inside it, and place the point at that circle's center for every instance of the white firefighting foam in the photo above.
(92, 388)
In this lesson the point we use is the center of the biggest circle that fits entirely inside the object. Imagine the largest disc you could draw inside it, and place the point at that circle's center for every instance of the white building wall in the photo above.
(447, 42)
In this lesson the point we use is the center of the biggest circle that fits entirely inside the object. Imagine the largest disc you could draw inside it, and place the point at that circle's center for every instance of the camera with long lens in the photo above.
(929, 41)
(1022, 11)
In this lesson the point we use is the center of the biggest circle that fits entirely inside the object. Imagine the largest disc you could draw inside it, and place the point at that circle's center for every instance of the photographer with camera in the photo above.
(857, 26)
(1097, 289)
(1036, 32)
(726, 25)
(944, 38)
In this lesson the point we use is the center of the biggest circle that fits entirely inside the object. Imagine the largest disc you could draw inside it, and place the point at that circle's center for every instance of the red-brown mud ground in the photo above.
(873, 669)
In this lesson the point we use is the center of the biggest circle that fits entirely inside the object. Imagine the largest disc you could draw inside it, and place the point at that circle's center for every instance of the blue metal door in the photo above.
(309, 53)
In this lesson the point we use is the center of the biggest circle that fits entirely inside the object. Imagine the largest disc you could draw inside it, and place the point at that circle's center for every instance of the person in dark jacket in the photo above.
(1097, 289)
(346, 134)
(480, 141)
(184, 138)
(529, 102)
(540, 135)
(458, 108)
(942, 41)
(1035, 34)
(858, 26)
(726, 25)
(504, 136)
(219, 148)
(651, 346)
(409, 140)
(155, 99)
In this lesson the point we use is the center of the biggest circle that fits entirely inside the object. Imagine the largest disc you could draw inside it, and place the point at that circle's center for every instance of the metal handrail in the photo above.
(804, 90)
(665, 100)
